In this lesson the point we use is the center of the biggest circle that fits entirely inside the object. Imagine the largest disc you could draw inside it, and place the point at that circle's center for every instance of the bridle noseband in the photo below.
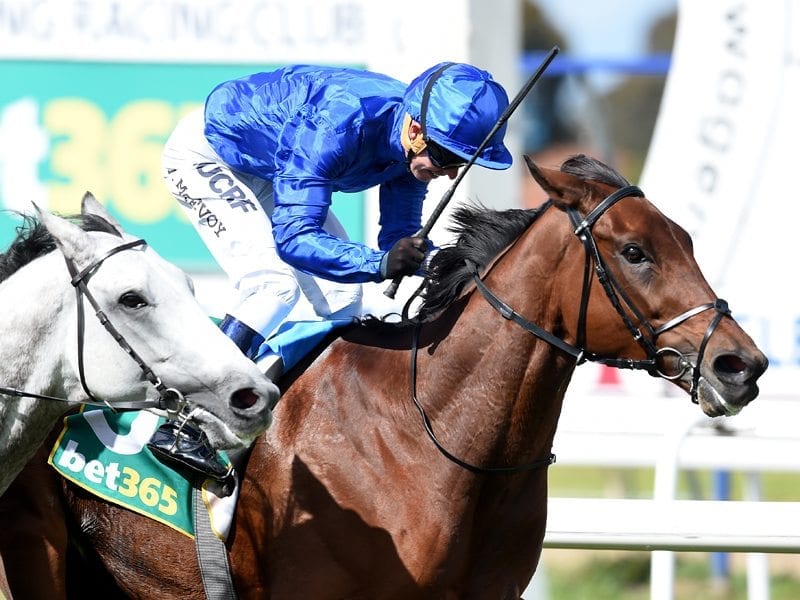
(170, 399)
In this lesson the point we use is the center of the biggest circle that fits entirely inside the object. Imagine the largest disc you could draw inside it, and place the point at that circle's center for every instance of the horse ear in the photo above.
(73, 241)
(91, 206)
(561, 187)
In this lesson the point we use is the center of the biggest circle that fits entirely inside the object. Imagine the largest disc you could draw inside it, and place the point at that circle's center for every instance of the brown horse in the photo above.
(350, 494)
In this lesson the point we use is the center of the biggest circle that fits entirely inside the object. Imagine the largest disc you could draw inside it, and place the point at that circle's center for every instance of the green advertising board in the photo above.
(68, 126)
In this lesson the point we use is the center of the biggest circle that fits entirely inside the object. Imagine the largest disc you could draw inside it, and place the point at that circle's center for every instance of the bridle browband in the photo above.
(617, 296)
(170, 399)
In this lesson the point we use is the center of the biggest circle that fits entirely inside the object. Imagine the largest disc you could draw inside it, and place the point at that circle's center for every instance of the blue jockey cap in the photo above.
(457, 105)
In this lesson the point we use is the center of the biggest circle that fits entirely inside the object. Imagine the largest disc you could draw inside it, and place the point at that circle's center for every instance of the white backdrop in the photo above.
(723, 163)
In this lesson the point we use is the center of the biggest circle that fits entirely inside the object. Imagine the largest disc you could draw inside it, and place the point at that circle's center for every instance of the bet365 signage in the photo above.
(68, 127)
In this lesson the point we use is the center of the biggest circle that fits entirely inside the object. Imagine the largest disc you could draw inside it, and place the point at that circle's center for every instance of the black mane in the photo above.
(483, 233)
(33, 240)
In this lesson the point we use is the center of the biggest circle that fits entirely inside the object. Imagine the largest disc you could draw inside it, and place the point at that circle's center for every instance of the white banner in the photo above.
(722, 163)
(250, 31)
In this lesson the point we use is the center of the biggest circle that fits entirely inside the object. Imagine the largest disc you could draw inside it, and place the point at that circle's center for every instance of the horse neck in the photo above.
(489, 376)
(29, 361)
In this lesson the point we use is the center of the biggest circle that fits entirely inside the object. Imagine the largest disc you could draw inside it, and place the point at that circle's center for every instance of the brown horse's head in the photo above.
(655, 303)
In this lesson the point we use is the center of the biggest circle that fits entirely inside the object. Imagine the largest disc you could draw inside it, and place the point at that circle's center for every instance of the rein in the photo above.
(617, 296)
(169, 399)
(537, 464)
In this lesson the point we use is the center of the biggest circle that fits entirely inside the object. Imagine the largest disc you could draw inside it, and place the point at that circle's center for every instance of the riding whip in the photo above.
(391, 290)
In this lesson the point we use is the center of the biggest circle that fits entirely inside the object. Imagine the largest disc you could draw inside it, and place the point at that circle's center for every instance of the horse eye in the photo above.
(633, 254)
(132, 300)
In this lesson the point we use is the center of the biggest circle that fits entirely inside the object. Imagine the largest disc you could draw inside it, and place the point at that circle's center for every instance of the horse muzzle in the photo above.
(238, 419)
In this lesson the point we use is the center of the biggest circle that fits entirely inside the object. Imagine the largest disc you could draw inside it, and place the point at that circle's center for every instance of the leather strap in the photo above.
(212, 554)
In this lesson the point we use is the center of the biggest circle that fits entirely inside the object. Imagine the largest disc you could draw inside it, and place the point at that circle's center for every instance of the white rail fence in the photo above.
(671, 436)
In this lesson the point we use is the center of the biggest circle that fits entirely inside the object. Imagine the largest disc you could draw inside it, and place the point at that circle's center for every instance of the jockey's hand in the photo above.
(405, 257)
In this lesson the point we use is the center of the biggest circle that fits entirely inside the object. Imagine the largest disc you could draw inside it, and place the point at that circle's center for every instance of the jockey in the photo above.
(255, 170)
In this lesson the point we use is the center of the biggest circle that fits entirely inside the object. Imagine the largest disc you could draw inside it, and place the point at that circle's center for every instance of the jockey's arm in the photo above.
(301, 241)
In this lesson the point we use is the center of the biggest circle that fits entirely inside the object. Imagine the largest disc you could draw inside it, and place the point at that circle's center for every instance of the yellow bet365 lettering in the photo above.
(151, 491)
(129, 485)
(148, 491)
(168, 505)
(117, 159)
(79, 141)
(138, 133)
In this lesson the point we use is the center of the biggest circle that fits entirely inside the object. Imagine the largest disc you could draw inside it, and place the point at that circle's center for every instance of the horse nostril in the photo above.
(244, 399)
(730, 363)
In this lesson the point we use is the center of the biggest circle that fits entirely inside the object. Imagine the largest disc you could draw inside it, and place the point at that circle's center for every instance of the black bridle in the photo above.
(616, 294)
(170, 399)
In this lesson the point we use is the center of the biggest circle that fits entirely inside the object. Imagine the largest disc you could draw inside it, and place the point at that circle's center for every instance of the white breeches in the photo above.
(231, 212)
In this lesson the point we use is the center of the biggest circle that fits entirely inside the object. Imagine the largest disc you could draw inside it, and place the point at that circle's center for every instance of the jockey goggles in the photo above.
(442, 158)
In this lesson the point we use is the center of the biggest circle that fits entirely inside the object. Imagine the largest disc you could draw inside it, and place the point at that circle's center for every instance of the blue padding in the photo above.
(295, 339)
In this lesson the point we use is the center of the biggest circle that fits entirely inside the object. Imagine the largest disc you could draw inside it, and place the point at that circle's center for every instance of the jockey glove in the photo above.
(405, 257)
